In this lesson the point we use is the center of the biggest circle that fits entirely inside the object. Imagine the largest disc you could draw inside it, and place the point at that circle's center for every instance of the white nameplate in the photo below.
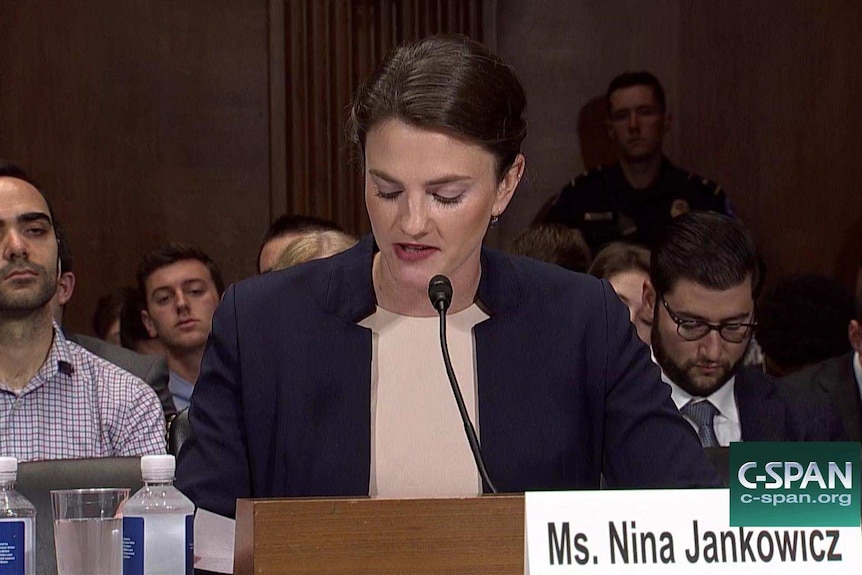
(672, 531)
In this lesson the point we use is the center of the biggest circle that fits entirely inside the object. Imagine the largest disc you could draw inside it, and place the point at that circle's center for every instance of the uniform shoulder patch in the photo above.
(585, 177)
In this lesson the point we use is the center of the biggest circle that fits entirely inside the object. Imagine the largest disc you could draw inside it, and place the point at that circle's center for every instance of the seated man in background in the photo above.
(555, 244)
(152, 369)
(284, 230)
(58, 400)
(626, 267)
(106, 316)
(636, 198)
(802, 321)
(705, 276)
(313, 246)
(840, 377)
(181, 287)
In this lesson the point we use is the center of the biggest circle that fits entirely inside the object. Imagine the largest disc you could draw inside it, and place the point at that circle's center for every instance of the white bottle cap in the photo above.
(8, 469)
(158, 467)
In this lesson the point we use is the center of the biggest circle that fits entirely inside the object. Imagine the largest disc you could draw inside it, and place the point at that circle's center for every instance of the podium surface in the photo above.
(380, 536)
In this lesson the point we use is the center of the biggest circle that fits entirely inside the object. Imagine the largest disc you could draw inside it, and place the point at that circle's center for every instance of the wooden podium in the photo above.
(380, 536)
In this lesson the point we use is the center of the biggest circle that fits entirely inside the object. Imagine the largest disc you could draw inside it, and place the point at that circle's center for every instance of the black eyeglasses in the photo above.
(693, 330)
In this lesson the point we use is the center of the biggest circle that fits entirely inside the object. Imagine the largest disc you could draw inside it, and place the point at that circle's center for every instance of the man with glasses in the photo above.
(636, 198)
(705, 275)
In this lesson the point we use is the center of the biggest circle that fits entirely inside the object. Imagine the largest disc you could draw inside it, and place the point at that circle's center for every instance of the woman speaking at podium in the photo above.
(328, 378)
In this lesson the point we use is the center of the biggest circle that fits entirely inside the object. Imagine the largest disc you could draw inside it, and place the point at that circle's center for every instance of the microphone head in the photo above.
(440, 292)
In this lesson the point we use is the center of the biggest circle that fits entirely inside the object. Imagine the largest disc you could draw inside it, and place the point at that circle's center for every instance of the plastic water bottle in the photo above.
(158, 523)
(17, 524)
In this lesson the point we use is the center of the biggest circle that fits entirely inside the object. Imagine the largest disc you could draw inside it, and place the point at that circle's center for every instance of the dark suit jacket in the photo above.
(834, 377)
(565, 388)
(152, 369)
(770, 411)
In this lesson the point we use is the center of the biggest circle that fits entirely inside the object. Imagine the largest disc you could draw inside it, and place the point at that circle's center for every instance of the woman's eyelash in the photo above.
(443, 200)
(447, 201)
(387, 195)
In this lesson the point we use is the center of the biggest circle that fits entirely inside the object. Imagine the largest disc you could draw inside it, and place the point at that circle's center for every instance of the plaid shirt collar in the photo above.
(57, 364)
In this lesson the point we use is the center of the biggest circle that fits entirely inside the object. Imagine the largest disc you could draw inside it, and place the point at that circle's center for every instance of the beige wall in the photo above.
(764, 96)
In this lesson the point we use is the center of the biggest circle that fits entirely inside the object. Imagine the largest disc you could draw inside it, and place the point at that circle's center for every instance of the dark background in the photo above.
(202, 120)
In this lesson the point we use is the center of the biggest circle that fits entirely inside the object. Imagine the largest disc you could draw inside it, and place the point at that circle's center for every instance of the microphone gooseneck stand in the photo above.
(440, 294)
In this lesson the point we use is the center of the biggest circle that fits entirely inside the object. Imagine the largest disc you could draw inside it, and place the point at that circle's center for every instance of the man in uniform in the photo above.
(636, 198)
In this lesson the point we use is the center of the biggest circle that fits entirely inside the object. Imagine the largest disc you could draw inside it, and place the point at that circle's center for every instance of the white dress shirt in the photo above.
(857, 371)
(726, 423)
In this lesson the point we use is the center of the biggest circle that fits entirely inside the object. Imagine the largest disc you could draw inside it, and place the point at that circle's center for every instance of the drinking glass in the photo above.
(88, 530)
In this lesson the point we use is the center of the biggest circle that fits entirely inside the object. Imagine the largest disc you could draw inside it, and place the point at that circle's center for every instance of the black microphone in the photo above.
(440, 294)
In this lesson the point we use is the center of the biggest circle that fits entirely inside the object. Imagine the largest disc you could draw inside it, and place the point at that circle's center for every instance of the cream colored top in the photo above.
(418, 444)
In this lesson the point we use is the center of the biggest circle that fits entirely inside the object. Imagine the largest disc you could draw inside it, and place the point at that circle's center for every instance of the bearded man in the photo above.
(57, 400)
(705, 276)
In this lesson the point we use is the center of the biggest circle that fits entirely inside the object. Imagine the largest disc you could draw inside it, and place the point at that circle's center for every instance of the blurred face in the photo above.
(701, 367)
(28, 271)
(430, 198)
(637, 123)
(181, 300)
(629, 285)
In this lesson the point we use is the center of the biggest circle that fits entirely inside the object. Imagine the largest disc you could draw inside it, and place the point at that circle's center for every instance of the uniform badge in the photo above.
(679, 207)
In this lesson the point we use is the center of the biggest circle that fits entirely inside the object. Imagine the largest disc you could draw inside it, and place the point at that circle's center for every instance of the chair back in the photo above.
(178, 432)
(36, 479)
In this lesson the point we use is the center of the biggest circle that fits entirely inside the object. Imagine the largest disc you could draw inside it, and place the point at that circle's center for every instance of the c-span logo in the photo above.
(794, 484)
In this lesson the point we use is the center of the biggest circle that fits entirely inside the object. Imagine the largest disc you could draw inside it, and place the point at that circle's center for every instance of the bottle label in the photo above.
(12, 548)
(133, 546)
(190, 544)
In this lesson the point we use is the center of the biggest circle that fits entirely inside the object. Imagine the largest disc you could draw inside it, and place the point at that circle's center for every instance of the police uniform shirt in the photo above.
(606, 208)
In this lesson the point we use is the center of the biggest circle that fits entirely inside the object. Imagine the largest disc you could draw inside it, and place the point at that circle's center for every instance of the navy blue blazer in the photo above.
(769, 410)
(566, 391)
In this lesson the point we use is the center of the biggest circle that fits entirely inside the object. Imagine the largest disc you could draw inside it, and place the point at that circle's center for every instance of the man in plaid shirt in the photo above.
(57, 400)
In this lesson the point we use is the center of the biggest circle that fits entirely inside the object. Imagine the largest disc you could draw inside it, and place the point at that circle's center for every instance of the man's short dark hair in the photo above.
(291, 224)
(108, 310)
(10, 170)
(132, 329)
(64, 251)
(707, 248)
(556, 244)
(619, 257)
(169, 254)
(629, 79)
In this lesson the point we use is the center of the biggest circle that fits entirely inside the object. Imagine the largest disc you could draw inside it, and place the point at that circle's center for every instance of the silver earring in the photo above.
(494, 220)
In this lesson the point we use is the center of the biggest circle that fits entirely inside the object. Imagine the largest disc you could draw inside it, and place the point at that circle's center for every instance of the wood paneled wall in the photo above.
(145, 122)
(330, 47)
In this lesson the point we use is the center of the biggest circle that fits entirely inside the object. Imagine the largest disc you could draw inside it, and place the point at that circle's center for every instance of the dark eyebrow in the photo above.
(733, 319)
(436, 182)
(34, 217)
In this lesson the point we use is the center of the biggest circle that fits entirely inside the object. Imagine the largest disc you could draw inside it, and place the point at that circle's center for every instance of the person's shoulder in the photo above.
(588, 179)
(548, 282)
(135, 363)
(697, 185)
(809, 374)
(104, 374)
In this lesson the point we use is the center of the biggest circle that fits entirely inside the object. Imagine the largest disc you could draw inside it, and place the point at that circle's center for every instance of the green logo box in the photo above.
(794, 484)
